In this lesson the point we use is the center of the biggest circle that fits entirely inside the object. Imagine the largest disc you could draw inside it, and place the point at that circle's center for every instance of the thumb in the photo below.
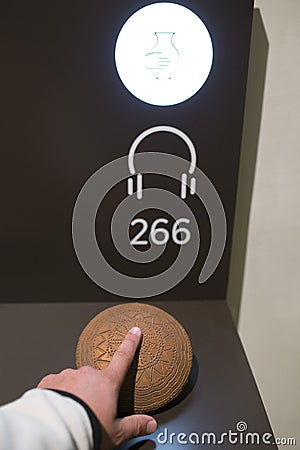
(136, 425)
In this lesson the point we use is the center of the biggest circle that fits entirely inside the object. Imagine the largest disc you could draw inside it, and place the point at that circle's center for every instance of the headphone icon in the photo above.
(184, 177)
(100, 183)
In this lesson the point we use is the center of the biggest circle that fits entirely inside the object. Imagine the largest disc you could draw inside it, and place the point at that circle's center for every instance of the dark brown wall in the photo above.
(66, 113)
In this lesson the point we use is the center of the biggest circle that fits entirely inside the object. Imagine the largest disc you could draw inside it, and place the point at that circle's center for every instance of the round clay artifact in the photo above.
(162, 364)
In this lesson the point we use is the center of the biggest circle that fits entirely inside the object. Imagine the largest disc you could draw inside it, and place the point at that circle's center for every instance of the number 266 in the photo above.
(158, 235)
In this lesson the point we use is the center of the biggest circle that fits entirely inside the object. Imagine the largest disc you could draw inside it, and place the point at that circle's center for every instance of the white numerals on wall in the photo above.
(160, 235)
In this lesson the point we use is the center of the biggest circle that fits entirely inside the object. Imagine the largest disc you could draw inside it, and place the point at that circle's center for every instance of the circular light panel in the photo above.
(164, 54)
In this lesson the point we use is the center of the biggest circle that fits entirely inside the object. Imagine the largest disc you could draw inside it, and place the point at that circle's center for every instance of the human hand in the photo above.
(99, 389)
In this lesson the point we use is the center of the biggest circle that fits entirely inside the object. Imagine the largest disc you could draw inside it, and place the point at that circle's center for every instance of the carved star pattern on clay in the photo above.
(162, 365)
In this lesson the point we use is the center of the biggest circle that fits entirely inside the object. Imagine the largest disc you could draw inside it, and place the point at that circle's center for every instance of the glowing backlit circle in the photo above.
(164, 54)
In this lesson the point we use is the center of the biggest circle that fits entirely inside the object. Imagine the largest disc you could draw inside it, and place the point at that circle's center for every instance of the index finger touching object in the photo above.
(158, 365)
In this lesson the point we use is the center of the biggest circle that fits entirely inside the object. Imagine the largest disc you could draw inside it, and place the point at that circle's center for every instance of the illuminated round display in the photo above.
(164, 54)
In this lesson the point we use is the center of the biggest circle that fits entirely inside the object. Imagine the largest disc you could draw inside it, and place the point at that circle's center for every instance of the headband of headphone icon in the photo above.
(184, 177)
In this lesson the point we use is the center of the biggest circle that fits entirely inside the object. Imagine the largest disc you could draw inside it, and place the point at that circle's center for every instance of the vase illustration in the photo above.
(163, 58)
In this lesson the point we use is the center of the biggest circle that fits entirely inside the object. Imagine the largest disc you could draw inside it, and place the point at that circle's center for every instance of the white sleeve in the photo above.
(45, 420)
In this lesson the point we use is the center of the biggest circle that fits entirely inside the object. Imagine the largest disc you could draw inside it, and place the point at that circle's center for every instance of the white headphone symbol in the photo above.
(184, 176)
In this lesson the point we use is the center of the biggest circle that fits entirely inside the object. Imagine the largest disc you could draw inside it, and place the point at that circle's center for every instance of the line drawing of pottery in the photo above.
(163, 58)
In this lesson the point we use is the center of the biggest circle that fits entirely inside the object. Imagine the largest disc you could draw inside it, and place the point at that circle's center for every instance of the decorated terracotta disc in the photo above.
(162, 364)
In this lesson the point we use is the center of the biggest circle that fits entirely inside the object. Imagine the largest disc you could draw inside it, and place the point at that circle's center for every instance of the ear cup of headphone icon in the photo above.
(187, 180)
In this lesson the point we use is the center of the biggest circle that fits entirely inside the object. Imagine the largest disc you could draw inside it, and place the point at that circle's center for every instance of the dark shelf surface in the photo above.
(37, 339)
